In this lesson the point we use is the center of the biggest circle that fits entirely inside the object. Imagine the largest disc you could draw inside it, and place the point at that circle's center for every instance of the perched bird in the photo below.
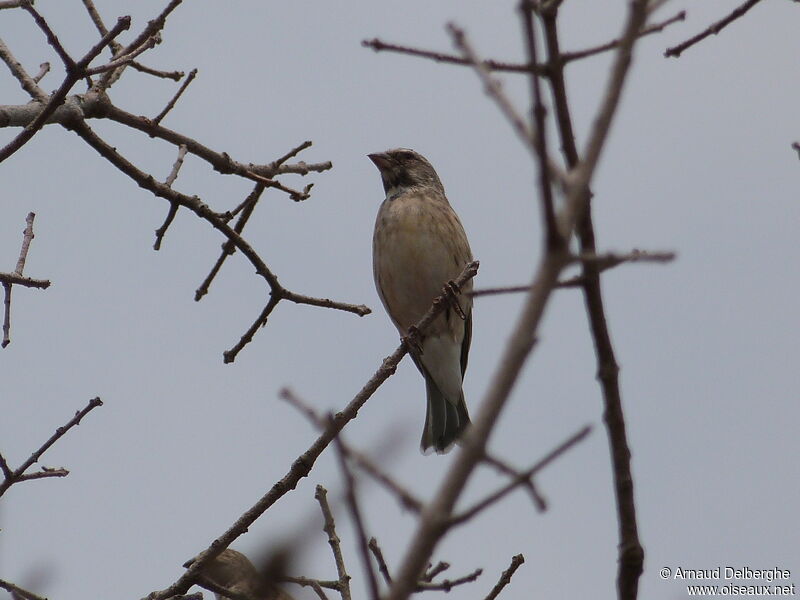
(418, 246)
(234, 571)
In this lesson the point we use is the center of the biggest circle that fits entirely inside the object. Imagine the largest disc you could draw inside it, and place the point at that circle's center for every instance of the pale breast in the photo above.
(419, 245)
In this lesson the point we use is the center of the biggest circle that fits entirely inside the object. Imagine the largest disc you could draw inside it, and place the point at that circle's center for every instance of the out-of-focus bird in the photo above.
(418, 246)
(234, 571)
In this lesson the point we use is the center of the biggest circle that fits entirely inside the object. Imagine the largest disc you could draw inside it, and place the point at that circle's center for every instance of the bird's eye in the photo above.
(405, 155)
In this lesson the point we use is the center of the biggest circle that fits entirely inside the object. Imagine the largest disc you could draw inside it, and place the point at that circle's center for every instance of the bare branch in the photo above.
(335, 543)
(713, 29)
(631, 553)
(490, 65)
(448, 584)
(433, 522)
(404, 497)
(521, 478)
(352, 503)
(493, 89)
(568, 57)
(602, 262)
(503, 467)
(15, 476)
(28, 83)
(16, 591)
(125, 59)
(194, 204)
(44, 69)
(505, 578)
(153, 27)
(228, 248)
(44, 474)
(170, 105)
(538, 113)
(302, 466)
(173, 207)
(378, 554)
(14, 279)
(75, 72)
(8, 279)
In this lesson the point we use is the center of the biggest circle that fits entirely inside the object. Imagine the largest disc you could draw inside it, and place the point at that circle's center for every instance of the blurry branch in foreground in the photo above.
(571, 220)
(74, 111)
(16, 278)
(12, 476)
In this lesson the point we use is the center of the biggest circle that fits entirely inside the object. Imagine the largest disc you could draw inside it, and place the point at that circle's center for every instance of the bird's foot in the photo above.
(412, 340)
(452, 290)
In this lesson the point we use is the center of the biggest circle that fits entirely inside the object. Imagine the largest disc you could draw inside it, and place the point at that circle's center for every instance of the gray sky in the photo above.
(699, 162)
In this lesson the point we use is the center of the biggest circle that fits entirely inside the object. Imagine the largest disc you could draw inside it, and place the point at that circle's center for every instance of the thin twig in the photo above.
(491, 65)
(378, 554)
(75, 72)
(333, 540)
(171, 104)
(505, 578)
(602, 262)
(173, 207)
(60, 432)
(314, 584)
(712, 29)
(353, 507)
(501, 466)
(27, 82)
(44, 69)
(8, 280)
(13, 278)
(228, 247)
(153, 27)
(448, 584)
(521, 477)
(125, 59)
(18, 592)
(538, 113)
(494, 90)
(568, 57)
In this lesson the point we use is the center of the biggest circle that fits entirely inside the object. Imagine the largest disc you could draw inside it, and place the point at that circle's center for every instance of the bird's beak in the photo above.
(381, 160)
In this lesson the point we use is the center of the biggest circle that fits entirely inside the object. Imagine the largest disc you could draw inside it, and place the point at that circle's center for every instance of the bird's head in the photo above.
(402, 169)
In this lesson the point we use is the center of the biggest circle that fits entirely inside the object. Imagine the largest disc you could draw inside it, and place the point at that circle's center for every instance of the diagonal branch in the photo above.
(712, 29)
(15, 476)
(302, 466)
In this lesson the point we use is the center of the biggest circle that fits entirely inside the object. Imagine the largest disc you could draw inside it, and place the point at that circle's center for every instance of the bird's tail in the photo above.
(444, 421)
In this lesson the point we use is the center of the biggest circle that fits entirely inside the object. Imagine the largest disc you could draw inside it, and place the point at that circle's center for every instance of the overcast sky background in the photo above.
(699, 162)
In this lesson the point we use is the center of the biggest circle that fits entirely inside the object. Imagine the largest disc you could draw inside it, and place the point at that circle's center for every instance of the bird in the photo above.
(233, 571)
(418, 246)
